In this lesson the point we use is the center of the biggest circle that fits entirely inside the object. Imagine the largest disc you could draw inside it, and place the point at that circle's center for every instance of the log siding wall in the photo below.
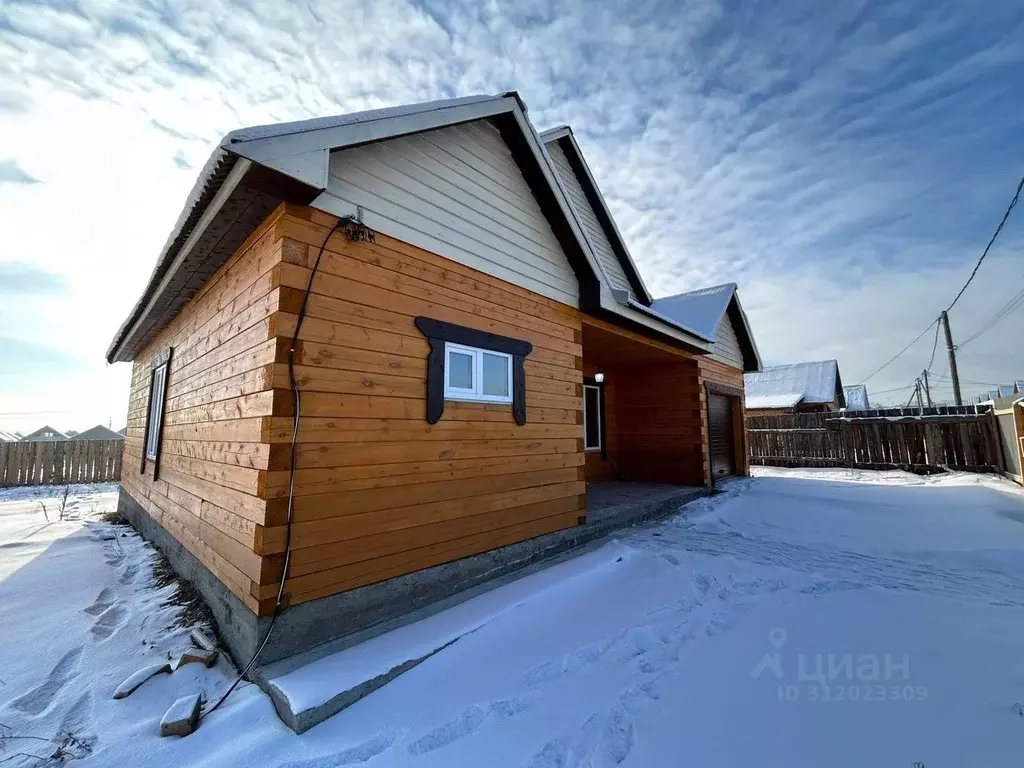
(379, 491)
(214, 454)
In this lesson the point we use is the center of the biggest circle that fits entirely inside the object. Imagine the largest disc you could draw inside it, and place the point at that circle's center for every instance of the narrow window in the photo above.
(156, 410)
(477, 375)
(591, 418)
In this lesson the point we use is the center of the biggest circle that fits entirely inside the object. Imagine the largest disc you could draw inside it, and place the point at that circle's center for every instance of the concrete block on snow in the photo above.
(200, 655)
(182, 717)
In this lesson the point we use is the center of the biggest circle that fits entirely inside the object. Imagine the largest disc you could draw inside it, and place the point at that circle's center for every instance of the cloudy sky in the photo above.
(845, 163)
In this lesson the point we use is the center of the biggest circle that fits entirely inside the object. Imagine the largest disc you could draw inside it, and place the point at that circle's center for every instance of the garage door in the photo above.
(723, 447)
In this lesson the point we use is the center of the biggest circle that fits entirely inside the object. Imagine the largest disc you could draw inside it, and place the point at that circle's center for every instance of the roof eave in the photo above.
(564, 135)
(697, 340)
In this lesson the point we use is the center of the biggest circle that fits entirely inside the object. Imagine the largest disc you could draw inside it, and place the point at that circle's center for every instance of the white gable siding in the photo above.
(456, 192)
(727, 345)
(592, 228)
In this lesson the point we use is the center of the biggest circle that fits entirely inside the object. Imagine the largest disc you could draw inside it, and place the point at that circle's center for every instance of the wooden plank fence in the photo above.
(60, 462)
(944, 437)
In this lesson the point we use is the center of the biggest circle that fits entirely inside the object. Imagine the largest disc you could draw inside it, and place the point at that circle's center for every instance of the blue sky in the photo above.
(844, 162)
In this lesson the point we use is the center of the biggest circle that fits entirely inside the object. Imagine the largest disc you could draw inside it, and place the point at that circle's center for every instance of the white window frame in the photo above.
(599, 446)
(155, 417)
(476, 394)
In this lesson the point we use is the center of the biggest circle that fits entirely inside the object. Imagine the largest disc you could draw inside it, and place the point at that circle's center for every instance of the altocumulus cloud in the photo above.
(842, 162)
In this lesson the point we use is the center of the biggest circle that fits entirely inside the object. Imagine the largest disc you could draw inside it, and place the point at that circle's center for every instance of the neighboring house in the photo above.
(856, 397)
(99, 432)
(476, 346)
(43, 434)
(8, 437)
(1009, 415)
(797, 388)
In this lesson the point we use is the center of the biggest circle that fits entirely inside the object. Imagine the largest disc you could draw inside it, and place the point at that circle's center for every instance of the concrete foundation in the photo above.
(368, 611)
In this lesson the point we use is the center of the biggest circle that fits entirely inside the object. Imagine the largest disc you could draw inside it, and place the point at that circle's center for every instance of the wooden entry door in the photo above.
(722, 436)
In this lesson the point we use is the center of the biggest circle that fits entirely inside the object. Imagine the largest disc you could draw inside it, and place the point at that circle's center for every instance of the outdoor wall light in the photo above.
(599, 378)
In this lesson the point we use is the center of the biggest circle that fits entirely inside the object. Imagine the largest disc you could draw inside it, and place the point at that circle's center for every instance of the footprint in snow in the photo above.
(110, 621)
(39, 698)
(469, 720)
(705, 586)
(604, 740)
(575, 661)
(130, 574)
(78, 724)
(103, 600)
(360, 753)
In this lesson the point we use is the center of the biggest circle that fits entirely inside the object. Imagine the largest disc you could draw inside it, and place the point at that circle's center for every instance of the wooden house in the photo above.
(474, 346)
(812, 387)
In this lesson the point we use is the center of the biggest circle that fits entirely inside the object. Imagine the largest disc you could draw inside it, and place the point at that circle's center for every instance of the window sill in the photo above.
(481, 400)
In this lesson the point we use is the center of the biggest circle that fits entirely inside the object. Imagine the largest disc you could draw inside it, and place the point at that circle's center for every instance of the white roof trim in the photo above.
(304, 154)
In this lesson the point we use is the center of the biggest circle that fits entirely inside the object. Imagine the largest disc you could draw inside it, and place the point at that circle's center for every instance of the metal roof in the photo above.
(812, 383)
(275, 130)
(253, 169)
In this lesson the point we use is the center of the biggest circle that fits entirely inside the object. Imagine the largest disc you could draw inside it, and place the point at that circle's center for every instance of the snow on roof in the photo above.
(856, 397)
(772, 401)
(702, 310)
(808, 382)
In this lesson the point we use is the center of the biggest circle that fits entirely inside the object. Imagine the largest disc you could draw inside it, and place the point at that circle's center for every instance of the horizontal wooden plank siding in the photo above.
(595, 233)
(727, 345)
(379, 491)
(457, 192)
(215, 452)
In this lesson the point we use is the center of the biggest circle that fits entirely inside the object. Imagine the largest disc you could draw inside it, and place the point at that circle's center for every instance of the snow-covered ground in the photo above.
(803, 618)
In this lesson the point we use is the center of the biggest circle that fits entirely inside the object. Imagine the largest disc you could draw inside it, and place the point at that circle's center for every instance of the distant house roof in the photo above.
(856, 397)
(8, 437)
(702, 311)
(99, 432)
(785, 386)
(44, 433)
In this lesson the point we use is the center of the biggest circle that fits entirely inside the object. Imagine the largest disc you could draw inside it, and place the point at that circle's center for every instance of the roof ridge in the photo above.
(709, 288)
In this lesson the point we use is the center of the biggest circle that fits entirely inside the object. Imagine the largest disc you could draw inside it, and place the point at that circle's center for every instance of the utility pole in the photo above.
(927, 389)
(915, 393)
(951, 350)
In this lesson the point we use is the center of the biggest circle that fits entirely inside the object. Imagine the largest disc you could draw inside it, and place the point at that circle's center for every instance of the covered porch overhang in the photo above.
(642, 409)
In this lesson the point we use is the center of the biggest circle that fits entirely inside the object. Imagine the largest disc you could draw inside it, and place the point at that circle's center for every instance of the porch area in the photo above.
(643, 416)
(617, 504)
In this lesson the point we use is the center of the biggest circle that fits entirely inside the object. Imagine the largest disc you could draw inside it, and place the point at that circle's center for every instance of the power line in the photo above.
(897, 355)
(984, 253)
(992, 239)
(1015, 302)
(894, 389)
(935, 346)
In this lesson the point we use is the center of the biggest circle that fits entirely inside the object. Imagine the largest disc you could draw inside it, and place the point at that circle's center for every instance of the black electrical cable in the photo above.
(894, 357)
(1002, 223)
(935, 346)
(291, 464)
